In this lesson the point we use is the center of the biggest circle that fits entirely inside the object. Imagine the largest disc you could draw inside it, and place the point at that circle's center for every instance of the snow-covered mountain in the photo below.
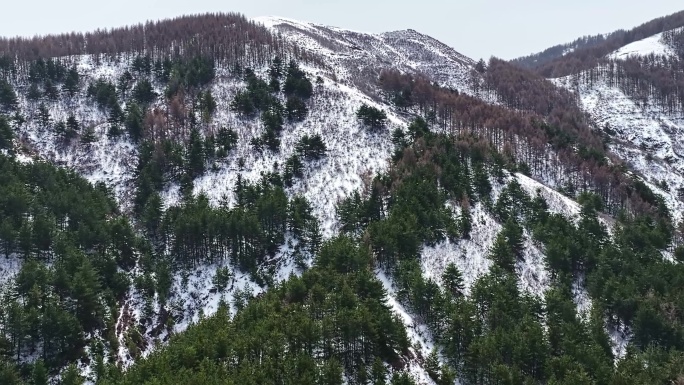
(645, 135)
(347, 63)
(357, 57)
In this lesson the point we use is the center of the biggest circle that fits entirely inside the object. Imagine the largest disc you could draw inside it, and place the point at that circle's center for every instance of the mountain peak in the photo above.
(358, 56)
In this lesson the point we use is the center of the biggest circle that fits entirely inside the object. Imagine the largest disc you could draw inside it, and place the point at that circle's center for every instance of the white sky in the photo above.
(481, 28)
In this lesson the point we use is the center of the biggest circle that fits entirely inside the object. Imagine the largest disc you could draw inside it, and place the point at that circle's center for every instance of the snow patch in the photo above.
(652, 45)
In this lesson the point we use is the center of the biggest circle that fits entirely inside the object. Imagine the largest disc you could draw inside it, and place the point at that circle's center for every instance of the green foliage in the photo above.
(103, 93)
(311, 147)
(318, 309)
(144, 93)
(222, 278)
(296, 108)
(452, 280)
(371, 116)
(226, 140)
(8, 98)
(297, 83)
(72, 82)
(294, 168)
(41, 71)
(6, 134)
(134, 121)
(418, 128)
(52, 215)
(207, 105)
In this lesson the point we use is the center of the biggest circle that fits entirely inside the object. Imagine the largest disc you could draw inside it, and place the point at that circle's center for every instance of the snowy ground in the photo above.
(647, 138)
(354, 153)
(356, 57)
(9, 267)
(650, 45)
(419, 336)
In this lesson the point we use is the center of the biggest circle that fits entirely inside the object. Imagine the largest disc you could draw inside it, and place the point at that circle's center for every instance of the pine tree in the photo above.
(8, 236)
(88, 136)
(432, 366)
(86, 289)
(207, 106)
(8, 98)
(296, 109)
(465, 221)
(39, 376)
(124, 83)
(72, 124)
(43, 115)
(195, 157)
(134, 121)
(144, 93)
(71, 83)
(71, 376)
(453, 280)
(378, 373)
(51, 91)
(33, 93)
(6, 134)
(514, 237)
(502, 254)
(331, 373)
(371, 116)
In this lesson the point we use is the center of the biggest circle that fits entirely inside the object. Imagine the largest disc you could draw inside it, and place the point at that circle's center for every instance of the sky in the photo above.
(476, 28)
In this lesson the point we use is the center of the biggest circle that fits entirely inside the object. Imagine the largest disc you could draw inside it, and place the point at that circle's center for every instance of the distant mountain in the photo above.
(585, 52)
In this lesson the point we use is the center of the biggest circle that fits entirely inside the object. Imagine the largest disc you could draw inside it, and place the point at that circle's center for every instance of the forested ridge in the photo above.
(496, 334)
(587, 52)
(652, 78)
(95, 282)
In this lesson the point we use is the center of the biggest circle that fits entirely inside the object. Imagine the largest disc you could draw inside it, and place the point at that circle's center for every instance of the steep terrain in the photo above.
(358, 58)
(642, 132)
(451, 179)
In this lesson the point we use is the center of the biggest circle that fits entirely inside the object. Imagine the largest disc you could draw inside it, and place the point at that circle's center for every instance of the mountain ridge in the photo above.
(476, 215)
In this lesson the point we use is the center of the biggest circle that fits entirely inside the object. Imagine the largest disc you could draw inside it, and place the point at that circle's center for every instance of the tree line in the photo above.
(545, 134)
(583, 58)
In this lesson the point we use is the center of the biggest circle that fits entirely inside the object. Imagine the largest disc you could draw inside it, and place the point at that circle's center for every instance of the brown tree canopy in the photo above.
(557, 62)
(546, 131)
(226, 37)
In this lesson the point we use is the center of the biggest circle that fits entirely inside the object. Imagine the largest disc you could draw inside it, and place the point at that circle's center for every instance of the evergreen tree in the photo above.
(51, 90)
(8, 98)
(514, 237)
(71, 82)
(502, 253)
(378, 373)
(207, 106)
(371, 116)
(71, 376)
(296, 109)
(432, 366)
(144, 93)
(88, 136)
(39, 376)
(6, 134)
(134, 121)
(418, 128)
(43, 115)
(453, 280)
(195, 156)
(34, 93)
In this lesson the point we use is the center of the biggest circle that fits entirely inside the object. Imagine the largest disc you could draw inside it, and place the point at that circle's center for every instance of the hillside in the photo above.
(272, 200)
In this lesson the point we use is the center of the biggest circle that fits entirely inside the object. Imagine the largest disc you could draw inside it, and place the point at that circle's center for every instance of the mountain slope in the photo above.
(359, 58)
(433, 215)
(642, 131)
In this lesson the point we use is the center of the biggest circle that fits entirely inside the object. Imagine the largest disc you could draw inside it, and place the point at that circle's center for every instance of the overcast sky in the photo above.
(476, 28)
